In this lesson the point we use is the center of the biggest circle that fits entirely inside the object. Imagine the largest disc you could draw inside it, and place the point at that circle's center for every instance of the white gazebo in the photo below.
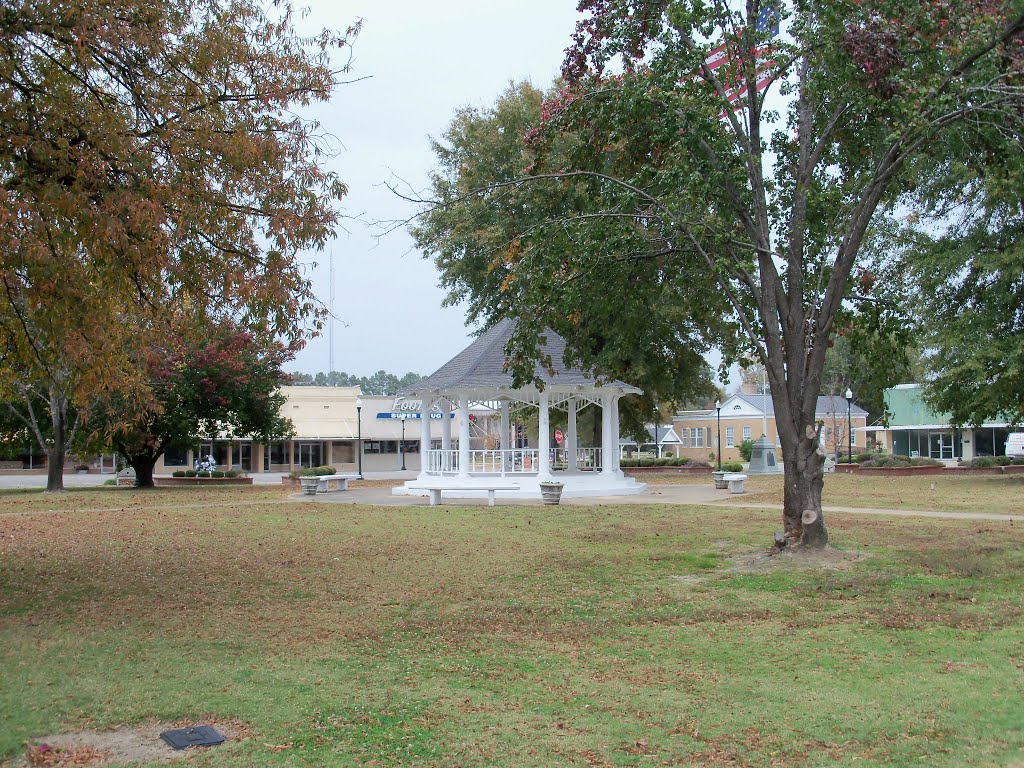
(476, 377)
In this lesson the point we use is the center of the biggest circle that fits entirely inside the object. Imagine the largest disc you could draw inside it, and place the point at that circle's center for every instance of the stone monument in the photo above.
(762, 458)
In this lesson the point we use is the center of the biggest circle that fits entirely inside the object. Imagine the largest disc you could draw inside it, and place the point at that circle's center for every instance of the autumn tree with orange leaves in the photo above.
(151, 160)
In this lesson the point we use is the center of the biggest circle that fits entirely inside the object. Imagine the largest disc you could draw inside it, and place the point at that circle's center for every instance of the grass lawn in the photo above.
(475, 636)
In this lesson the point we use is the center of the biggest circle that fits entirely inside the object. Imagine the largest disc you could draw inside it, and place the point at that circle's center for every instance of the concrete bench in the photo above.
(735, 481)
(334, 483)
(435, 490)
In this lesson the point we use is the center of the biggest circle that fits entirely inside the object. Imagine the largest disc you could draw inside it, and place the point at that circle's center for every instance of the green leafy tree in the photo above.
(478, 242)
(220, 382)
(664, 203)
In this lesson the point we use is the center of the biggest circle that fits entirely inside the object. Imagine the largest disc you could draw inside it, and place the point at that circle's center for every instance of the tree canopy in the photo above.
(208, 383)
(699, 177)
(151, 158)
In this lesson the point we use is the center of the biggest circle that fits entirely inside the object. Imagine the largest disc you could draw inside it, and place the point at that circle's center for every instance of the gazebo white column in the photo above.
(570, 438)
(424, 437)
(464, 436)
(615, 437)
(607, 449)
(506, 442)
(544, 439)
(446, 424)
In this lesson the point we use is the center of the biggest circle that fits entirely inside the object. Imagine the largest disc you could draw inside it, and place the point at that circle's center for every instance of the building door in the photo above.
(309, 455)
(245, 456)
(940, 445)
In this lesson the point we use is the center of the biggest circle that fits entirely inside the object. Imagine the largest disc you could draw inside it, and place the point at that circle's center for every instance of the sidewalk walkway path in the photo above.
(690, 495)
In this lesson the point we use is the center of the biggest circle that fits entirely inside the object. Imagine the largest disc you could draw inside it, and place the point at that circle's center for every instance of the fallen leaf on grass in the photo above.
(45, 755)
(278, 747)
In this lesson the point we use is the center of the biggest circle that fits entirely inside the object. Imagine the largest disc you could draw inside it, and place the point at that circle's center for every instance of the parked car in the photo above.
(1015, 445)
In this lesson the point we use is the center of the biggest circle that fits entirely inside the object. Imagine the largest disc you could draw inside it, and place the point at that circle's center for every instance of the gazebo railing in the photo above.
(512, 461)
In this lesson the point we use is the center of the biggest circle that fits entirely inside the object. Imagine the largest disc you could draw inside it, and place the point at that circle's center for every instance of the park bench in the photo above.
(435, 490)
(334, 483)
(735, 481)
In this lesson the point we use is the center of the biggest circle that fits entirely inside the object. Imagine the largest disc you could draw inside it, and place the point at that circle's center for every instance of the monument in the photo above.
(762, 458)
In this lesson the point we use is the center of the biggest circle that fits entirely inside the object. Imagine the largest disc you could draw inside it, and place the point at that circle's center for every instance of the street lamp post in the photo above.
(849, 426)
(359, 435)
(718, 408)
(401, 446)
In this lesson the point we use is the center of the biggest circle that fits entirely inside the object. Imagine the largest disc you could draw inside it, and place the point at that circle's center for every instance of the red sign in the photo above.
(558, 436)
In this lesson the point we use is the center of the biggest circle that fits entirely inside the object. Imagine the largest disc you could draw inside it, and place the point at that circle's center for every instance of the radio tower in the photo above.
(330, 320)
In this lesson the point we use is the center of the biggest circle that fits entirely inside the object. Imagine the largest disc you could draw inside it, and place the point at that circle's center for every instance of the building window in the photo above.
(276, 453)
(380, 446)
(343, 452)
(176, 456)
(730, 437)
(309, 454)
(746, 433)
(697, 437)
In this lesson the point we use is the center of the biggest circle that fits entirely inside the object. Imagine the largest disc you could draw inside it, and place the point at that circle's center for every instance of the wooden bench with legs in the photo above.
(435, 490)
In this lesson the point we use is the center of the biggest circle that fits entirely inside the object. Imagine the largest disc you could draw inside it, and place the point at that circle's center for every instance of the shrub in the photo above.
(110, 482)
(190, 473)
(217, 473)
(746, 449)
(860, 458)
(324, 470)
(178, 473)
(983, 461)
(231, 473)
(203, 473)
(732, 466)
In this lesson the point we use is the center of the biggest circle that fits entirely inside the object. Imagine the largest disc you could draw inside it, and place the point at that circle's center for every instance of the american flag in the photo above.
(767, 23)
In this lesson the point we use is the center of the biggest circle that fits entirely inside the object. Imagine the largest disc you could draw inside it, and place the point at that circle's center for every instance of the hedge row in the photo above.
(668, 462)
(312, 472)
(994, 461)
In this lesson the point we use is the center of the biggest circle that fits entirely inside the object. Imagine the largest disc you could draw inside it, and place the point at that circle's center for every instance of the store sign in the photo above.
(411, 409)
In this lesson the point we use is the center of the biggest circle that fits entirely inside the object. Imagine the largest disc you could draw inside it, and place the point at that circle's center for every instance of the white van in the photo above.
(1015, 445)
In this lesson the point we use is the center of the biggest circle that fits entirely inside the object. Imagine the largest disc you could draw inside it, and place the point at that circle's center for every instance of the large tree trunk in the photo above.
(56, 449)
(143, 466)
(802, 517)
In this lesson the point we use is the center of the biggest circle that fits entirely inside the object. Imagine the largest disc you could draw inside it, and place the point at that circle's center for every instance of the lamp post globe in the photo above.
(849, 426)
(359, 435)
(718, 409)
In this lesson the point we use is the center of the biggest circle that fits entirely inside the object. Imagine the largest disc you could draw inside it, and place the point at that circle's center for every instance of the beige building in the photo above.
(330, 423)
(747, 417)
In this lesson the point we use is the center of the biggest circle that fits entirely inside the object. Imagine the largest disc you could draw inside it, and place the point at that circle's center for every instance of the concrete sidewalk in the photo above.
(684, 495)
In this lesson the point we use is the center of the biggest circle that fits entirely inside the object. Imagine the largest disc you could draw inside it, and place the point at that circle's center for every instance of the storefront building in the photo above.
(916, 430)
(330, 423)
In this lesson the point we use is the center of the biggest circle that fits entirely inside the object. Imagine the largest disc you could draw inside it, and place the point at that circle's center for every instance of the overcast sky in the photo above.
(421, 62)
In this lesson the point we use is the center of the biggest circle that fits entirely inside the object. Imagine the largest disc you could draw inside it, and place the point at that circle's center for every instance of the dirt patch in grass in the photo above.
(121, 745)
(827, 559)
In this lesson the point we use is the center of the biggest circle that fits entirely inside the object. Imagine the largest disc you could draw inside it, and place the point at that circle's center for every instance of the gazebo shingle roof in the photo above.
(481, 366)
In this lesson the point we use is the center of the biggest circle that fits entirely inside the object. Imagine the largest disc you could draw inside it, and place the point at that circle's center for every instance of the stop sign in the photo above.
(558, 436)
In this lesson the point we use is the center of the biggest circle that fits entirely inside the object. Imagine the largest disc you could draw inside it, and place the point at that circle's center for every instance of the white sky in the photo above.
(423, 61)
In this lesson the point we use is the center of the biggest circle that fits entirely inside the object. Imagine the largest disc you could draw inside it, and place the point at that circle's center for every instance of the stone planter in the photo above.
(719, 478)
(309, 485)
(551, 492)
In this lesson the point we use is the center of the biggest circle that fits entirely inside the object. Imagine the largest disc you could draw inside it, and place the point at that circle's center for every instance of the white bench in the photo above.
(435, 489)
(333, 483)
(735, 481)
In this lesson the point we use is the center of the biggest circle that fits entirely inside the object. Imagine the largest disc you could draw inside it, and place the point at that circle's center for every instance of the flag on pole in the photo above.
(767, 24)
